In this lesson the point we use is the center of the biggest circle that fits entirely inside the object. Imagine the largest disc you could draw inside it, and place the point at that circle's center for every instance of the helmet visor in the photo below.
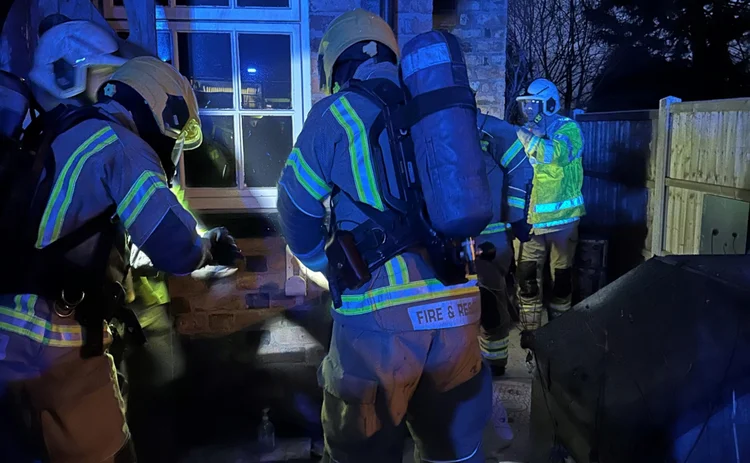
(531, 109)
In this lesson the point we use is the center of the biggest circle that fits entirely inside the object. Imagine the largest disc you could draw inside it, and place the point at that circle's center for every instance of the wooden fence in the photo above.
(647, 173)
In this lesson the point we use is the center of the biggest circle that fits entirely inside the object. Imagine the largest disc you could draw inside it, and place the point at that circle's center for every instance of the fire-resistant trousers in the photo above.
(154, 371)
(57, 403)
(379, 383)
(496, 320)
(532, 255)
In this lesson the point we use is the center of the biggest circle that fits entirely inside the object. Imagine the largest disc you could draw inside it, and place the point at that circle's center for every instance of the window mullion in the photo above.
(237, 86)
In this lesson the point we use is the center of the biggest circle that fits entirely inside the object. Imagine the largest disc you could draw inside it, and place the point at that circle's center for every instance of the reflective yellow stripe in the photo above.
(496, 227)
(61, 196)
(307, 177)
(179, 192)
(511, 153)
(409, 293)
(40, 330)
(397, 272)
(494, 345)
(359, 152)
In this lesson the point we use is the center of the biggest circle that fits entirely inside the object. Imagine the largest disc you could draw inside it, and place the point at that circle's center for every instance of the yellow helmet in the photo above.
(167, 93)
(346, 30)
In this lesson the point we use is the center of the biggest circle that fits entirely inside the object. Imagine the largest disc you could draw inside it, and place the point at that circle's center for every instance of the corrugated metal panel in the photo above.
(617, 165)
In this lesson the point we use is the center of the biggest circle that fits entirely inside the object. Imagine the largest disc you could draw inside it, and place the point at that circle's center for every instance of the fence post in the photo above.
(663, 136)
(576, 113)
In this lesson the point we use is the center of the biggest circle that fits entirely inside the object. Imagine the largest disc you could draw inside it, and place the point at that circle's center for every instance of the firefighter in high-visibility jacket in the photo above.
(510, 175)
(553, 144)
(383, 369)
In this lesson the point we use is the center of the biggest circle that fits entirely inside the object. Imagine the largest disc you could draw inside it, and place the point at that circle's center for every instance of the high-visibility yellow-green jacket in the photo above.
(151, 291)
(556, 197)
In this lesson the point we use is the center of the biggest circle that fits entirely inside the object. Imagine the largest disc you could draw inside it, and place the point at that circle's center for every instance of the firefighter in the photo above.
(120, 163)
(71, 62)
(510, 175)
(553, 144)
(383, 371)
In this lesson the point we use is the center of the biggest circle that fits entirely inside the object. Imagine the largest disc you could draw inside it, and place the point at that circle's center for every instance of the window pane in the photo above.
(206, 59)
(264, 3)
(213, 163)
(164, 46)
(267, 141)
(202, 3)
(266, 71)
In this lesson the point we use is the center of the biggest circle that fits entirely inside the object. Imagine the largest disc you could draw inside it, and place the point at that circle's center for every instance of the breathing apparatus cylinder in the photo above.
(449, 158)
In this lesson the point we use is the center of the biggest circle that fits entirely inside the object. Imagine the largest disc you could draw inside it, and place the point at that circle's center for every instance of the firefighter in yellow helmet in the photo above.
(384, 370)
(553, 144)
(73, 58)
(110, 180)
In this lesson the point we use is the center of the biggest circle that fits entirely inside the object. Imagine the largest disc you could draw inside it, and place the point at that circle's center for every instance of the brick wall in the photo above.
(290, 329)
(481, 26)
(412, 16)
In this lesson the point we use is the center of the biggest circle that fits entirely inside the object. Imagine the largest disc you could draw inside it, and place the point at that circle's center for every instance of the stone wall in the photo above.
(412, 16)
(481, 25)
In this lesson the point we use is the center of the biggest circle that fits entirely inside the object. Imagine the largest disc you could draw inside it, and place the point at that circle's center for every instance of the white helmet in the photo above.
(545, 93)
(66, 53)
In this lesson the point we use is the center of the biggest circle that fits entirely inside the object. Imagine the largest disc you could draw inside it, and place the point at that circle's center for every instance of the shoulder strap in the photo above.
(389, 97)
(428, 103)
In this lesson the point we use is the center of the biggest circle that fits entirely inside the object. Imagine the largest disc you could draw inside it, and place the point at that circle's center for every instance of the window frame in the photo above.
(241, 198)
(215, 13)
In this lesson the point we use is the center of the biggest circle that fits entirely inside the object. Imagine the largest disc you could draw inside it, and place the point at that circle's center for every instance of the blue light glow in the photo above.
(252, 70)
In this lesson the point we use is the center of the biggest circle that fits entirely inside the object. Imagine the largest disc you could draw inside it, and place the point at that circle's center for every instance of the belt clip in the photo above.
(65, 308)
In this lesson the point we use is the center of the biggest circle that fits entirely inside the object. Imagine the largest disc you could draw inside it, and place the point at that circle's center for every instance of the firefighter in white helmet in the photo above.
(382, 370)
(554, 145)
(113, 170)
(71, 61)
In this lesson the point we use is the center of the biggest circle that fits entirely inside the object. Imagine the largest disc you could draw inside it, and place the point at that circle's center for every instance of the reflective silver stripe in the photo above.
(559, 206)
(556, 223)
(424, 58)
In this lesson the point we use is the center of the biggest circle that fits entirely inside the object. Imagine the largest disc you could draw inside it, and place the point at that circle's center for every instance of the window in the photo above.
(217, 10)
(252, 83)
